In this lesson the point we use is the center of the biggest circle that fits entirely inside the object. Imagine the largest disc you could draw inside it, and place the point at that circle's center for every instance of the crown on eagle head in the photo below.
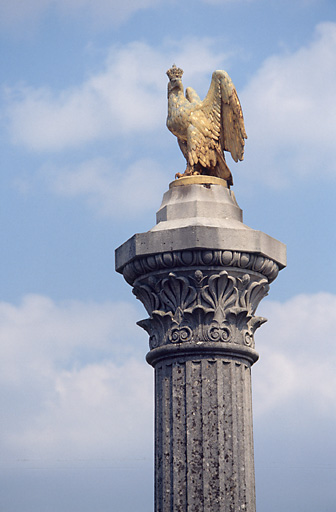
(174, 72)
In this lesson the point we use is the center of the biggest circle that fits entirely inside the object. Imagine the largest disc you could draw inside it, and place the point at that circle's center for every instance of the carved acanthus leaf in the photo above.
(148, 297)
(256, 293)
(239, 316)
(158, 327)
(256, 322)
(251, 293)
(176, 292)
(220, 292)
(201, 307)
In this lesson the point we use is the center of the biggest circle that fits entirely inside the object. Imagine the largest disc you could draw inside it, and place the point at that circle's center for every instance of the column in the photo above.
(201, 273)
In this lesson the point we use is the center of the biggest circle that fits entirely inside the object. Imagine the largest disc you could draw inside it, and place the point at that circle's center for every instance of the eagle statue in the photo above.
(205, 129)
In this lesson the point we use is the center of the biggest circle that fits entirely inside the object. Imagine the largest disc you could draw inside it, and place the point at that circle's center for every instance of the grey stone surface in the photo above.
(195, 203)
(200, 216)
(201, 328)
(201, 273)
(204, 441)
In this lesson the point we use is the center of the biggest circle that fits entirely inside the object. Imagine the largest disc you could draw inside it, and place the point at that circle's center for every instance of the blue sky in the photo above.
(85, 159)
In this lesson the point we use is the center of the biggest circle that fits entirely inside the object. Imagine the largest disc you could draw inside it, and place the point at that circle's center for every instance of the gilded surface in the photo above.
(198, 180)
(205, 129)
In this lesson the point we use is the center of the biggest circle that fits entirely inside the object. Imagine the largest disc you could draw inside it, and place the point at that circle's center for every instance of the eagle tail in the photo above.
(222, 170)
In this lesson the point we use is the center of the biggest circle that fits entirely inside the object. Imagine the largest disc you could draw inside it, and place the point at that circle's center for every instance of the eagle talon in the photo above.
(188, 172)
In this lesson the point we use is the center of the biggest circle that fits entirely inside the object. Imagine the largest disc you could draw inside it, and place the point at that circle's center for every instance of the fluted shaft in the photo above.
(204, 441)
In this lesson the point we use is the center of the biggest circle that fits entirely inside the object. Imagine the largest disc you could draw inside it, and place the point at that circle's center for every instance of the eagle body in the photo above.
(180, 111)
(205, 129)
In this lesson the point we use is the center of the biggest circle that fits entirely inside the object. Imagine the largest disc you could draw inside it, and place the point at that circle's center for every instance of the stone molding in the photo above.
(203, 350)
(201, 307)
(199, 258)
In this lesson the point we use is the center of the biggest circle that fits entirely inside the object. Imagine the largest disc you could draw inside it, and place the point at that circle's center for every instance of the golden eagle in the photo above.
(204, 129)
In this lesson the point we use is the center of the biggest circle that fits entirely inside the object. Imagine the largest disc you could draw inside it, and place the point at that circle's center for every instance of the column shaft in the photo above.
(203, 442)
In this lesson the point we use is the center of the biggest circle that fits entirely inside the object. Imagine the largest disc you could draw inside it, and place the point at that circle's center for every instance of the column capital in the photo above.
(200, 273)
(202, 310)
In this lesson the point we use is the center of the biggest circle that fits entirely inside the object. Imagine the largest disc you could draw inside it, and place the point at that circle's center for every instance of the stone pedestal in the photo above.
(201, 273)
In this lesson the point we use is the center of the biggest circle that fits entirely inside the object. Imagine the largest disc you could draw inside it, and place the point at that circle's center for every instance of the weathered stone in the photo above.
(201, 273)
(180, 226)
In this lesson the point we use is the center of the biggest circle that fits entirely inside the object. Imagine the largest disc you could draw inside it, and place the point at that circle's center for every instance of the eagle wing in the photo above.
(222, 107)
(192, 95)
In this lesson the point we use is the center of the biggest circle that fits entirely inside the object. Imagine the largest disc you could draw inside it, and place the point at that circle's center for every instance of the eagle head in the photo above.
(175, 74)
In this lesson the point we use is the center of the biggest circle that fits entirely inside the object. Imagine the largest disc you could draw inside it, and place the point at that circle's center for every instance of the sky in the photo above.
(85, 160)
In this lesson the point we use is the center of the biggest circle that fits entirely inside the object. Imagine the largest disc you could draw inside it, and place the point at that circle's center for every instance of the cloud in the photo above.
(126, 98)
(294, 403)
(123, 98)
(110, 191)
(93, 412)
(298, 357)
(290, 112)
(74, 382)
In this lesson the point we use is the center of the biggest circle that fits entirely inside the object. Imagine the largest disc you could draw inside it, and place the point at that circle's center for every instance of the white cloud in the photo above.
(123, 98)
(96, 411)
(294, 403)
(60, 327)
(297, 356)
(127, 98)
(290, 112)
(74, 381)
(109, 191)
